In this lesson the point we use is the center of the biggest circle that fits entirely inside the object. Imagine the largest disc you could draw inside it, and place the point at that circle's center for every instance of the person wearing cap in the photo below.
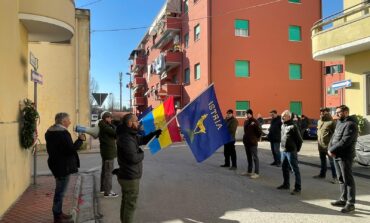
(229, 148)
(108, 151)
(252, 133)
(325, 130)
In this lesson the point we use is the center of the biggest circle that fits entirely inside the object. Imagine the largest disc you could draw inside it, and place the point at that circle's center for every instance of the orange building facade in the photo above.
(333, 72)
(257, 53)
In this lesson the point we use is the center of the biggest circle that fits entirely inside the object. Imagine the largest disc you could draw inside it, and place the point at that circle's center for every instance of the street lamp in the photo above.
(120, 91)
(129, 86)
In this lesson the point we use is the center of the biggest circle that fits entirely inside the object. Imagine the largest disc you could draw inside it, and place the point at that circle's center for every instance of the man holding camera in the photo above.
(63, 161)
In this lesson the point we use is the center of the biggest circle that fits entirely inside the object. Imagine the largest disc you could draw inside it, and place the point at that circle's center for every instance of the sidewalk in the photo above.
(35, 205)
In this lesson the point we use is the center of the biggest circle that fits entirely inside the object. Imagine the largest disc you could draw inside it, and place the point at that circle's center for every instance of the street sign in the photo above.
(36, 77)
(100, 97)
(34, 61)
(341, 84)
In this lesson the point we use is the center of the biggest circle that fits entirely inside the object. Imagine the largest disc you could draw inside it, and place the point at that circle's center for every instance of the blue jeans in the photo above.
(275, 149)
(289, 162)
(60, 188)
(324, 166)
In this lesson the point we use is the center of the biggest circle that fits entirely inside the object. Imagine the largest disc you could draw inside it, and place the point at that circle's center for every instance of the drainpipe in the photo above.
(77, 66)
(209, 24)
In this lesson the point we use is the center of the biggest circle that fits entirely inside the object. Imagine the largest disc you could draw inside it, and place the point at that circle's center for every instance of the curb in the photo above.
(76, 195)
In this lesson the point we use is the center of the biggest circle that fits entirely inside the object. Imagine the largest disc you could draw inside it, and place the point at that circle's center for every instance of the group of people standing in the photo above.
(122, 142)
(336, 140)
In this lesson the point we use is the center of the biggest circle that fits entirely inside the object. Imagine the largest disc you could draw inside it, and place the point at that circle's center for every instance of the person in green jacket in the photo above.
(325, 130)
(108, 151)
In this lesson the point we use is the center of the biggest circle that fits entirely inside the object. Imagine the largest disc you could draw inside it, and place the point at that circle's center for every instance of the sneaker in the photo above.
(334, 181)
(224, 165)
(59, 220)
(295, 192)
(319, 177)
(348, 208)
(283, 187)
(102, 192)
(246, 174)
(111, 195)
(233, 168)
(338, 203)
(254, 176)
(278, 165)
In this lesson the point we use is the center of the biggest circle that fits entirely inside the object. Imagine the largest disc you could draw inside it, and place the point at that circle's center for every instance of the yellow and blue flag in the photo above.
(158, 118)
(202, 124)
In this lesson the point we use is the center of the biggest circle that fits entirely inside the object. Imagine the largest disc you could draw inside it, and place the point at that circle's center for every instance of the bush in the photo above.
(361, 124)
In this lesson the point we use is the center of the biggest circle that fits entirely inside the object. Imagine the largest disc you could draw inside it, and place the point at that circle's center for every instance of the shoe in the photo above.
(348, 208)
(278, 165)
(233, 168)
(283, 187)
(334, 181)
(319, 177)
(273, 163)
(295, 192)
(65, 216)
(59, 220)
(224, 165)
(102, 192)
(254, 176)
(338, 203)
(111, 195)
(246, 174)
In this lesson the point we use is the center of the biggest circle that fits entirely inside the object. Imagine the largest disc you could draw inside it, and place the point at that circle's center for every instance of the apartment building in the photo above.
(333, 92)
(58, 35)
(256, 53)
(345, 36)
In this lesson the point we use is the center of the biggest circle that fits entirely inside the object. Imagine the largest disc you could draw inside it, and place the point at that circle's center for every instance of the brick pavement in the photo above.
(34, 206)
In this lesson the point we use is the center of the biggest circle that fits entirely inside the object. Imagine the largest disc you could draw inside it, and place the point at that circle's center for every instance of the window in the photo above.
(186, 6)
(186, 40)
(242, 68)
(334, 69)
(197, 71)
(331, 91)
(175, 79)
(195, 1)
(295, 33)
(296, 107)
(197, 32)
(187, 76)
(241, 108)
(241, 27)
(295, 71)
(294, 1)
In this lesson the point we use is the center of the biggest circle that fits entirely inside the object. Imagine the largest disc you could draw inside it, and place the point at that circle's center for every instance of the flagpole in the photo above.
(165, 125)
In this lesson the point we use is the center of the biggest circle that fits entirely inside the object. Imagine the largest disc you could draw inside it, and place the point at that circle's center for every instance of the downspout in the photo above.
(77, 66)
(209, 24)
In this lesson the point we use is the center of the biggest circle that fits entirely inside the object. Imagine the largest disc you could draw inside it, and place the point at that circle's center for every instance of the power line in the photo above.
(200, 18)
(91, 3)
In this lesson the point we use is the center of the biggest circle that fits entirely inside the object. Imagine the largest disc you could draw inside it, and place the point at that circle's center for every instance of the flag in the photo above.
(157, 119)
(202, 124)
(145, 112)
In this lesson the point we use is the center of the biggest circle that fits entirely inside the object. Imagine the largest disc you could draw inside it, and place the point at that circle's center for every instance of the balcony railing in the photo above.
(170, 90)
(139, 81)
(139, 101)
(138, 63)
(167, 29)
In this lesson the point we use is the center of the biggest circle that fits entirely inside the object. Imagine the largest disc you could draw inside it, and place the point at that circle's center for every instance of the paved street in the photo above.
(175, 189)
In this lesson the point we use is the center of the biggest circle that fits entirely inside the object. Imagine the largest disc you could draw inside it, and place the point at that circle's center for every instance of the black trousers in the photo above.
(346, 181)
(229, 152)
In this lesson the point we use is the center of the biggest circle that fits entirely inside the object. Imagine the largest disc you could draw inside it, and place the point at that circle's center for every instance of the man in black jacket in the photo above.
(229, 148)
(291, 142)
(130, 157)
(342, 149)
(63, 160)
(274, 136)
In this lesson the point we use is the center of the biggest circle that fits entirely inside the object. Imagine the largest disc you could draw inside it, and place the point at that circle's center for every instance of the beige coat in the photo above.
(325, 130)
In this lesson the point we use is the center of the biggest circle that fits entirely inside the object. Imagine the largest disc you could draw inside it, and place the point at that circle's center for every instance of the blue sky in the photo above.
(110, 50)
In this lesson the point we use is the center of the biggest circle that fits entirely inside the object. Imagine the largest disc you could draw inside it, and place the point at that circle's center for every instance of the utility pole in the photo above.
(120, 91)
(130, 85)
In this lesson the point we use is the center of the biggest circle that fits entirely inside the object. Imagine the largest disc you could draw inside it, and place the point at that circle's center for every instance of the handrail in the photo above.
(342, 14)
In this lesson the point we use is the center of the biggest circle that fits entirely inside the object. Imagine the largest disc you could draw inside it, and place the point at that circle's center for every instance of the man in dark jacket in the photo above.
(130, 157)
(252, 133)
(274, 136)
(291, 142)
(229, 148)
(325, 130)
(63, 160)
(342, 149)
(108, 151)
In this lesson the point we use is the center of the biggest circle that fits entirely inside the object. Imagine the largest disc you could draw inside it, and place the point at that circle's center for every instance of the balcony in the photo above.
(138, 64)
(46, 21)
(139, 101)
(170, 90)
(172, 60)
(139, 81)
(342, 34)
(167, 29)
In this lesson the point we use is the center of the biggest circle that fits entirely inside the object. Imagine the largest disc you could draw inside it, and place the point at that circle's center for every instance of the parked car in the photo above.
(311, 131)
(265, 127)
(363, 150)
